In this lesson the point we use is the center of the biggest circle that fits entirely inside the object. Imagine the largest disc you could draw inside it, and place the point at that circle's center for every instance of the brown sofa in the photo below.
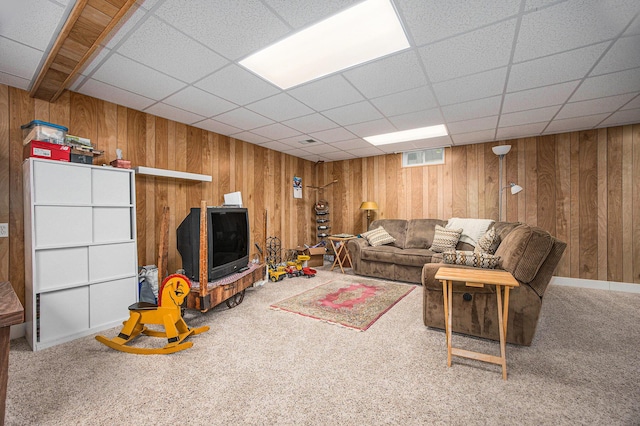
(529, 253)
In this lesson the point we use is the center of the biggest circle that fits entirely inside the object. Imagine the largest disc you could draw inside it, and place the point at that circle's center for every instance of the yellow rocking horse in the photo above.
(167, 312)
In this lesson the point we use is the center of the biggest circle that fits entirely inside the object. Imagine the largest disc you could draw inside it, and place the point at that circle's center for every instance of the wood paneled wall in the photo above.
(583, 187)
(264, 177)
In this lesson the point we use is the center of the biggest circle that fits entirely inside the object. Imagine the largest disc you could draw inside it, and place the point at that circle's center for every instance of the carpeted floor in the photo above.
(259, 366)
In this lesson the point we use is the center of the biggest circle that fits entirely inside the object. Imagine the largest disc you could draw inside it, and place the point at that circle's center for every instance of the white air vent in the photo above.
(424, 157)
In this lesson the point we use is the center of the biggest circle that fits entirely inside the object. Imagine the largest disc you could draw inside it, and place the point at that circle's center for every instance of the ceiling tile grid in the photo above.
(487, 70)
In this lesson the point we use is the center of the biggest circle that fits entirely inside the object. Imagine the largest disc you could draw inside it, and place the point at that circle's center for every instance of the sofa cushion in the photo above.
(470, 258)
(420, 232)
(488, 243)
(395, 255)
(378, 237)
(524, 250)
(445, 239)
(472, 228)
(397, 228)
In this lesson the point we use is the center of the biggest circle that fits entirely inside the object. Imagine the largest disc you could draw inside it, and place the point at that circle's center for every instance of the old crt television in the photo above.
(227, 241)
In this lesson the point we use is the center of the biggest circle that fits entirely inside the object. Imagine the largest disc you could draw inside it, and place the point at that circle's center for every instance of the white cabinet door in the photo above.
(111, 260)
(62, 225)
(111, 224)
(61, 267)
(110, 301)
(111, 187)
(63, 313)
(60, 183)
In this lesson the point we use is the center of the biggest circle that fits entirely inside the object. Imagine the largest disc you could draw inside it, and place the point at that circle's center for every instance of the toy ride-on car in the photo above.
(308, 272)
(277, 274)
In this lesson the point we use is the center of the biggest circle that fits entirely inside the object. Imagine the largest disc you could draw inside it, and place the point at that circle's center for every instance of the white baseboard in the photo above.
(17, 331)
(596, 284)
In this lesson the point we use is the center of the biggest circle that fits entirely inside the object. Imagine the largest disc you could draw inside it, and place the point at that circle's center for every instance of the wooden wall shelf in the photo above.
(172, 174)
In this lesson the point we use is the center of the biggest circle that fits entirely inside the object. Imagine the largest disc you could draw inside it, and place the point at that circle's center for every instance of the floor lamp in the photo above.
(501, 151)
(368, 206)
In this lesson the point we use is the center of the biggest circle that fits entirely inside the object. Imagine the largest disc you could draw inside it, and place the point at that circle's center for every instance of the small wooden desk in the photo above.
(339, 244)
(478, 278)
(11, 313)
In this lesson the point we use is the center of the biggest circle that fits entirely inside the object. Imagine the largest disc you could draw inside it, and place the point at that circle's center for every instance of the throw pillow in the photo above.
(488, 243)
(445, 239)
(378, 237)
(470, 258)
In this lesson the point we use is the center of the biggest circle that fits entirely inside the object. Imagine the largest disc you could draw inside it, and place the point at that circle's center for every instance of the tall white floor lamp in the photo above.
(501, 151)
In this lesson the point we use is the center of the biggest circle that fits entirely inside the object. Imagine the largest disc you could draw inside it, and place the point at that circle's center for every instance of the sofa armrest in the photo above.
(355, 251)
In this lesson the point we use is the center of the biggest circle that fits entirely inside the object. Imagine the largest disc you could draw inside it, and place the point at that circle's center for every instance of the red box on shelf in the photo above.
(50, 151)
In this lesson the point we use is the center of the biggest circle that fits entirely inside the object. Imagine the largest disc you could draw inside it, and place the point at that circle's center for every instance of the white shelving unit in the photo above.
(81, 270)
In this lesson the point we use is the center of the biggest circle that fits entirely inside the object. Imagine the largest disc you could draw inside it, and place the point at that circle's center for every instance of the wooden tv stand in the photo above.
(230, 289)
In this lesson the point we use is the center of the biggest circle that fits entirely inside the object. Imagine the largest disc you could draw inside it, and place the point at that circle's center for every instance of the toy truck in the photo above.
(277, 274)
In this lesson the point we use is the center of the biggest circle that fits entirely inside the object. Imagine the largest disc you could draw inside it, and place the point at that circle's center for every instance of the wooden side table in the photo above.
(339, 243)
(11, 313)
(478, 278)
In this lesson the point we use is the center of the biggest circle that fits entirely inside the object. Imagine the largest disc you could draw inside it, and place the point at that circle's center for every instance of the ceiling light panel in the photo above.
(337, 43)
(408, 135)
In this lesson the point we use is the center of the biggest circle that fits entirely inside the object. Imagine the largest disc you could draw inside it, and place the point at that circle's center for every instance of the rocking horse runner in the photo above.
(167, 312)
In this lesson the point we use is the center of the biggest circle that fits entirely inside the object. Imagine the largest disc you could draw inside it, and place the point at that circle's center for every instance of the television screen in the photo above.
(228, 241)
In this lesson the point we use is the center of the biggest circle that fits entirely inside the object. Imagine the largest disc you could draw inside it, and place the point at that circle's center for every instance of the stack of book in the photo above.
(82, 151)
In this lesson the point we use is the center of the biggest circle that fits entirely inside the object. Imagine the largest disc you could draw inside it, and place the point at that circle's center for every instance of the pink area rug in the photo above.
(352, 305)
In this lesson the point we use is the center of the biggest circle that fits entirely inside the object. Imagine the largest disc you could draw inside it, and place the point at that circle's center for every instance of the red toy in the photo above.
(308, 272)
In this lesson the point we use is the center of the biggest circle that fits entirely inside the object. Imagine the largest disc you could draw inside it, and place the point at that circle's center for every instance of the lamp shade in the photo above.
(369, 205)
(501, 149)
(515, 188)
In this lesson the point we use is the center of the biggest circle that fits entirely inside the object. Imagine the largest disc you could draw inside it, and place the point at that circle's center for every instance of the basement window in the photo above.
(424, 157)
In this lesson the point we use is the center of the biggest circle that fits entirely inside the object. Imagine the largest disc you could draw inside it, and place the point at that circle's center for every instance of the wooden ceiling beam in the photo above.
(88, 24)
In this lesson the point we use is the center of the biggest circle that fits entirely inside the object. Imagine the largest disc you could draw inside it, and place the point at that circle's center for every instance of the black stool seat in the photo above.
(143, 306)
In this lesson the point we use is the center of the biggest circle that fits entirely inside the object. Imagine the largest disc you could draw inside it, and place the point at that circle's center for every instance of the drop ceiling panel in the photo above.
(418, 119)
(366, 152)
(633, 104)
(474, 137)
(333, 135)
(230, 27)
(302, 13)
(12, 80)
(173, 53)
(351, 144)
(388, 75)
(571, 124)
(469, 53)
(251, 137)
(129, 75)
(630, 116)
(555, 94)
(371, 128)
(338, 156)
(276, 131)
(18, 60)
(327, 93)
(199, 102)
(594, 106)
(554, 69)
(30, 22)
(311, 123)
(428, 22)
(243, 119)
(320, 148)
(276, 146)
(167, 111)
(135, 16)
(467, 126)
(524, 117)
(570, 25)
(280, 107)
(217, 127)
(404, 102)
(472, 109)
(476, 86)
(624, 54)
(101, 90)
(237, 85)
(354, 113)
(608, 84)
(520, 131)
